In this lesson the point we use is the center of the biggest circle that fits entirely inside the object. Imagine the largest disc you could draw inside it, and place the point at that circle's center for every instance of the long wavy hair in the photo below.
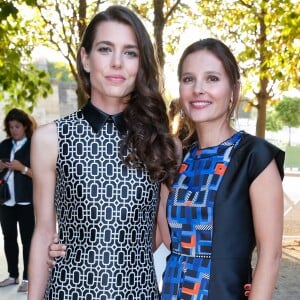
(150, 144)
(22, 117)
(223, 53)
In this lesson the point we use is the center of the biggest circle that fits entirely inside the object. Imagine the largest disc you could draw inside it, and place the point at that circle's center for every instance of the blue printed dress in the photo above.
(190, 210)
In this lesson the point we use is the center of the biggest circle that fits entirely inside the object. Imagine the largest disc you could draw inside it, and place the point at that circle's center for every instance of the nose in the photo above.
(116, 61)
(199, 87)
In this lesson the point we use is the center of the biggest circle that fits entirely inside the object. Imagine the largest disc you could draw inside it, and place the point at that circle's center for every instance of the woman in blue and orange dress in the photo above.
(228, 196)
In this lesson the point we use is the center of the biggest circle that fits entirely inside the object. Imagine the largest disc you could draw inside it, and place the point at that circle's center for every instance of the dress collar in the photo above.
(97, 118)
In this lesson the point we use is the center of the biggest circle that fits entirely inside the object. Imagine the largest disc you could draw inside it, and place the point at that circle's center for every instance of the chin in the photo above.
(119, 94)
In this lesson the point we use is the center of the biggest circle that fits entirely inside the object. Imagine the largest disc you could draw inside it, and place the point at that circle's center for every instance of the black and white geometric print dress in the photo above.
(105, 214)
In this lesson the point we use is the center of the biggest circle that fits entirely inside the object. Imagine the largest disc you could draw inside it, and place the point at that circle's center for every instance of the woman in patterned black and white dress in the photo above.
(99, 171)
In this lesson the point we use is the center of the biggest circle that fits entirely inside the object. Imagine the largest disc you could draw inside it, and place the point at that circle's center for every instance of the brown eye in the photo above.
(131, 53)
(104, 49)
(187, 79)
(213, 78)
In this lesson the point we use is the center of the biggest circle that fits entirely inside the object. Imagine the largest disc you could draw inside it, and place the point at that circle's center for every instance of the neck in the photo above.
(21, 139)
(109, 105)
(209, 137)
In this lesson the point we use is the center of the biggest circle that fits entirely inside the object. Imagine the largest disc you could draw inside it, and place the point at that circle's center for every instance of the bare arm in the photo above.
(157, 240)
(43, 162)
(162, 229)
(267, 205)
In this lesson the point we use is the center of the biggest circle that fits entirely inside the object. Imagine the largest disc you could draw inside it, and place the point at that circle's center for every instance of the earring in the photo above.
(230, 104)
(182, 114)
(231, 112)
(86, 68)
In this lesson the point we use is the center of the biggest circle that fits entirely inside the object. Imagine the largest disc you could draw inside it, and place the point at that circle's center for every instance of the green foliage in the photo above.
(288, 111)
(21, 83)
(169, 23)
(7, 9)
(292, 157)
(273, 122)
(60, 71)
(64, 22)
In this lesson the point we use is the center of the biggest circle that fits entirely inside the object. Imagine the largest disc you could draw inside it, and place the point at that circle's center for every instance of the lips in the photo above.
(200, 103)
(115, 78)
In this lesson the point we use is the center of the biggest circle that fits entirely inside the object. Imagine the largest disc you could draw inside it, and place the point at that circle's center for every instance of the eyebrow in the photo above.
(127, 46)
(206, 72)
(213, 72)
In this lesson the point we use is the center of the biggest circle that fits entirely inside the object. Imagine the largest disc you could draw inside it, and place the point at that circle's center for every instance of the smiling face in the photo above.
(112, 63)
(205, 89)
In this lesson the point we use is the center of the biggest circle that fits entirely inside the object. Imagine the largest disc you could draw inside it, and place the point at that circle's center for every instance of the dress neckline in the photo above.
(196, 152)
(97, 118)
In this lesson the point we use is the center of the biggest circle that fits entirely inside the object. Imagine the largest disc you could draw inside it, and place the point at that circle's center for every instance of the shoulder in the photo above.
(70, 117)
(259, 146)
(6, 142)
(5, 147)
(252, 140)
(44, 134)
(44, 146)
(69, 121)
(258, 152)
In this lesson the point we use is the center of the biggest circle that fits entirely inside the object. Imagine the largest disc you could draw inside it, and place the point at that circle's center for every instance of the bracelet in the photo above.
(25, 171)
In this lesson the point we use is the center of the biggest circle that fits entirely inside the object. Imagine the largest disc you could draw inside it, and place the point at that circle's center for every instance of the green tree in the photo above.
(21, 82)
(264, 35)
(288, 111)
(273, 122)
(65, 21)
(60, 71)
(164, 15)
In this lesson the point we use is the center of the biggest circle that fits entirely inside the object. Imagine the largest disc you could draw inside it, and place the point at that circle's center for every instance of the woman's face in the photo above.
(17, 130)
(205, 89)
(113, 62)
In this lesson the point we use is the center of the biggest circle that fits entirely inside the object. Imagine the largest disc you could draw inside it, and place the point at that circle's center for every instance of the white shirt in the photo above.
(10, 179)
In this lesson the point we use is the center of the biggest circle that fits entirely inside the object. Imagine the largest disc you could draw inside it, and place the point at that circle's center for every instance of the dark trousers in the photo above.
(10, 217)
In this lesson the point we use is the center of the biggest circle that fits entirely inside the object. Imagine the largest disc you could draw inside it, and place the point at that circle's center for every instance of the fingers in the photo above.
(247, 288)
(50, 263)
(55, 238)
(56, 250)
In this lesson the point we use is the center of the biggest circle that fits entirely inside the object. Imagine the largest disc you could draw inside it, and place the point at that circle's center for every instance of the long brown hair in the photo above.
(148, 138)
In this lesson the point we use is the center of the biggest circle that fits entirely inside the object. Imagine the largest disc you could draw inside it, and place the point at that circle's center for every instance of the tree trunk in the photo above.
(82, 18)
(81, 95)
(262, 95)
(158, 25)
(261, 117)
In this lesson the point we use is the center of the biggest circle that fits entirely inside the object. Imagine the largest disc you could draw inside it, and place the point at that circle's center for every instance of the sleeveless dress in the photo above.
(190, 216)
(105, 215)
